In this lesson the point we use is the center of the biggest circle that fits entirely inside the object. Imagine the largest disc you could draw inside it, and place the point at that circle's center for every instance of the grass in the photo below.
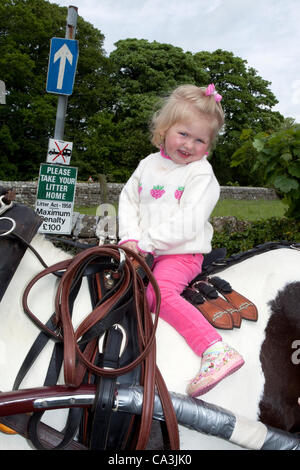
(85, 210)
(92, 210)
(249, 210)
(242, 210)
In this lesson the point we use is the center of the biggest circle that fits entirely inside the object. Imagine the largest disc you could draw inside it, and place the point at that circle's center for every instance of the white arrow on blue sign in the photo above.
(62, 66)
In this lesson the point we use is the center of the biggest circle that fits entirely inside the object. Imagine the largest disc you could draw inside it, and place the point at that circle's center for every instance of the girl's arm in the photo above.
(128, 212)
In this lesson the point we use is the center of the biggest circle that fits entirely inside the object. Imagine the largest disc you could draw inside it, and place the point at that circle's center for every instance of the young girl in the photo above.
(164, 209)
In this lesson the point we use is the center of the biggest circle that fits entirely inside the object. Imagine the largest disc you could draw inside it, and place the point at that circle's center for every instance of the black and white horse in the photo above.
(265, 389)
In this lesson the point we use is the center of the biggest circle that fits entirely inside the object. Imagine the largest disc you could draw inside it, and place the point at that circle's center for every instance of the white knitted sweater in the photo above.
(165, 206)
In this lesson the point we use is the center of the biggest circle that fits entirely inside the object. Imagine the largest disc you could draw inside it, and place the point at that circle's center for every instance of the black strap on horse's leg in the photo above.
(48, 436)
(74, 414)
(105, 394)
(74, 417)
(33, 352)
(108, 430)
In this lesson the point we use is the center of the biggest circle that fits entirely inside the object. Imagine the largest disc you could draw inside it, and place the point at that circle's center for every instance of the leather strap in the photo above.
(78, 360)
(48, 437)
(105, 394)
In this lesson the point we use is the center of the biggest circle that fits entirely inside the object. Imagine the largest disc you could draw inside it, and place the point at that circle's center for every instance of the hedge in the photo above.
(272, 229)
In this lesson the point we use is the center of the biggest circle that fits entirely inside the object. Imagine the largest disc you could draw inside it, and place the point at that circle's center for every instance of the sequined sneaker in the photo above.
(215, 367)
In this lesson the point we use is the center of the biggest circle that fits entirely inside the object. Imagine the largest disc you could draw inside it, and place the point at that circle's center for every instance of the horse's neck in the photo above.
(47, 250)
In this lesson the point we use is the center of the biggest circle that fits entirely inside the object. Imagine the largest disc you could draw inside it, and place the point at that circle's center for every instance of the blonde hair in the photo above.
(177, 107)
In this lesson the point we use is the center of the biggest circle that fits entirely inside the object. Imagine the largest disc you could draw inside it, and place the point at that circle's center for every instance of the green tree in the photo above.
(28, 118)
(247, 102)
(245, 157)
(152, 67)
(278, 154)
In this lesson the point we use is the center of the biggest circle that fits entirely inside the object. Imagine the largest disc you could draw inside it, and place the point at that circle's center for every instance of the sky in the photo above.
(265, 33)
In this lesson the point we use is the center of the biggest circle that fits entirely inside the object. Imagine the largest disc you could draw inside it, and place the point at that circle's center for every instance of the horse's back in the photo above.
(258, 278)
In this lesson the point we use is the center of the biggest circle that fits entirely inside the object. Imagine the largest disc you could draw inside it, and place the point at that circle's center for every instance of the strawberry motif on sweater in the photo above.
(157, 191)
(179, 192)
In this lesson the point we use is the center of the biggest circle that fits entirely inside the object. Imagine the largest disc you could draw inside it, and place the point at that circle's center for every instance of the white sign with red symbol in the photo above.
(59, 151)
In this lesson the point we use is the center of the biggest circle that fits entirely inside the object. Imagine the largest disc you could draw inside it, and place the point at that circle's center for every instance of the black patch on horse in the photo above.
(278, 406)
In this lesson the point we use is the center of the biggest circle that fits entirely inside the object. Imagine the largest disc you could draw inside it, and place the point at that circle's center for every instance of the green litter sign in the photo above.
(57, 182)
(55, 197)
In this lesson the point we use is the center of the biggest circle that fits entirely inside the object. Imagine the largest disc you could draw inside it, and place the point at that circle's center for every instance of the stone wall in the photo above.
(247, 193)
(91, 194)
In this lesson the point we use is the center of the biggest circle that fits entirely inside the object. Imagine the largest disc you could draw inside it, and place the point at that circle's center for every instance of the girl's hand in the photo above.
(132, 245)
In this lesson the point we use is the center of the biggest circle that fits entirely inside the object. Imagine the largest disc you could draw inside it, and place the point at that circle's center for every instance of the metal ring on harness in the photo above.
(4, 207)
(122, 259)
(11, 229)
(124, 340)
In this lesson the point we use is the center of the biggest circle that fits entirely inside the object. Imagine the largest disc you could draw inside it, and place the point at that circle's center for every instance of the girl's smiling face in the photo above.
(188, 141)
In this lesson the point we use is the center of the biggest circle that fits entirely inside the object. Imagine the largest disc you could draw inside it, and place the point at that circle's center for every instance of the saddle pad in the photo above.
(12, 248)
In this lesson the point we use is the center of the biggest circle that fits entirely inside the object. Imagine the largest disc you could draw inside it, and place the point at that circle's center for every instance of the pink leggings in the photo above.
(173, 273)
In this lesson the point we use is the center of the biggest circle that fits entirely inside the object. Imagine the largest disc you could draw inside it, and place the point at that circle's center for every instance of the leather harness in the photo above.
(123, 305)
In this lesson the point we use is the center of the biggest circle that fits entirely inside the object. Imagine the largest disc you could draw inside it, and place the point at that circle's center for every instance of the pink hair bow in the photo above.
(210, 90)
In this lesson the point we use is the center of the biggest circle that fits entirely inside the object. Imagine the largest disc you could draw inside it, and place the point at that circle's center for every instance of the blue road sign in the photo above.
(62, 66)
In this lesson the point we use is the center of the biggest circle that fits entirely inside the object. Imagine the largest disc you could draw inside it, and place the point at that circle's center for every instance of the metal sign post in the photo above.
(2, 92)
(57, 180)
